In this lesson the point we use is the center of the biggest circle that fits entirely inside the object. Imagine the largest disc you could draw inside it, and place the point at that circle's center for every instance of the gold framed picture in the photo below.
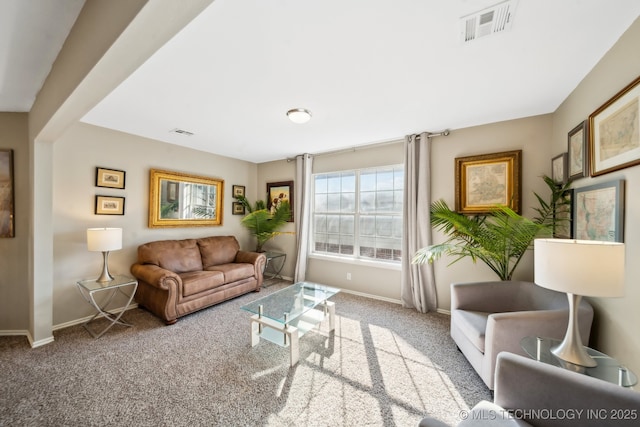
(110, 178)
(614, 132)
(489, 180)
(108, 205)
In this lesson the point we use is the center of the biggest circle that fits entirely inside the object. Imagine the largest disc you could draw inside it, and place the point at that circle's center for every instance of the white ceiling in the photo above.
(368, 70)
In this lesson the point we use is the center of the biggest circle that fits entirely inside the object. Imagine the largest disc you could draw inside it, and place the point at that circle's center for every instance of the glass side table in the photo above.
(274, 265)
(608, 368)
(90, 288)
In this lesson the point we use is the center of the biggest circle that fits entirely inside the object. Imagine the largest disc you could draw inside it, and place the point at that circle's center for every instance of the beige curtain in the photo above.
(418, 282)
(302, 214)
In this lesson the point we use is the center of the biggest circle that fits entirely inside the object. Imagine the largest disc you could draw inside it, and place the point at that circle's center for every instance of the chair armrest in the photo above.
(532, 387)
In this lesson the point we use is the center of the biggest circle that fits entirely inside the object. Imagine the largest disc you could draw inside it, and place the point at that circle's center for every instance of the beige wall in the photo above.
(617, 319)
(14, 268)
(76, 156)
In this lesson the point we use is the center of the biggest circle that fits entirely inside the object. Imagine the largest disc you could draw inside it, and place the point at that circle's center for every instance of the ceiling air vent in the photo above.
(181, 132)
(492, 20)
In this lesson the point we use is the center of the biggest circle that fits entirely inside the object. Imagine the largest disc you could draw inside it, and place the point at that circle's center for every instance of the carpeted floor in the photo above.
(384, 365)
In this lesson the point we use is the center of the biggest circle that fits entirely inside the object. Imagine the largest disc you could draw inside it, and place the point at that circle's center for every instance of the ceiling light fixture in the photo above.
(299, 115)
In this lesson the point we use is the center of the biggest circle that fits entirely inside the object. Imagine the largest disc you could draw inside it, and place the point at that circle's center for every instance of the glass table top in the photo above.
(118, 280)
(293, 301)
(608, 368)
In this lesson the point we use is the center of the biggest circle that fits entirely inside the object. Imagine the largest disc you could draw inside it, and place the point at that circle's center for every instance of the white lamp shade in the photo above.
(104, 239)
(580, 267)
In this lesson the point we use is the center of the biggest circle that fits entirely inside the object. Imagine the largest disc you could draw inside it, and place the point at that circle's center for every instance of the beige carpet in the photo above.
(383, 366)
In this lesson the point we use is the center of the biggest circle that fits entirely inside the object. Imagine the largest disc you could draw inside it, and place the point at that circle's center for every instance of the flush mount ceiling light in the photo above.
(299, 115)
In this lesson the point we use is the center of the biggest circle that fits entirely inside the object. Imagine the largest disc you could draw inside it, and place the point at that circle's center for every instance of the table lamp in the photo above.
(104, 240)
(578, 268)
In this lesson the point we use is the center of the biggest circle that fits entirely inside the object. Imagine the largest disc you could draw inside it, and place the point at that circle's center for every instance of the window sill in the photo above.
(364, 262)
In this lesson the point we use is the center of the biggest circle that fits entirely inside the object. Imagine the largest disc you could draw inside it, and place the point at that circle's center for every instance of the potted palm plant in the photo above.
(500, 238)
(263, 223)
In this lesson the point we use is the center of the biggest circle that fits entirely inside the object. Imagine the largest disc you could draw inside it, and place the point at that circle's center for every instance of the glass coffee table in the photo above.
(284, 316)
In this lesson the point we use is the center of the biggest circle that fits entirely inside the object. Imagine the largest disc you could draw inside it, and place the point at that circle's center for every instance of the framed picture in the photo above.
(559, 172)
(238, 190)
(614, 132)
(486, 181)
(598, 212)
(6, 194)
(107, 205)
(277, 192)
(578, 160)
(110, 178)
(237, 208)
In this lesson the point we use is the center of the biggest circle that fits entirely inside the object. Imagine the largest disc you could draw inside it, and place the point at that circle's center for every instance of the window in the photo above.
(358, 214)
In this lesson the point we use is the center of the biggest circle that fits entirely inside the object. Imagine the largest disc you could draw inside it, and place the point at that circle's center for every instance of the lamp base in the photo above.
(105, 276)
(571, 349)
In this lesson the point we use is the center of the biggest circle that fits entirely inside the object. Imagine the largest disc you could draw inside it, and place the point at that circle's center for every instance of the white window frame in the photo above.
(355, 257)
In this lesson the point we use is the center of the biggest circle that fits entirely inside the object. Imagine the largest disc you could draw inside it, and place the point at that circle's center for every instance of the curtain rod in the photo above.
(445, 132)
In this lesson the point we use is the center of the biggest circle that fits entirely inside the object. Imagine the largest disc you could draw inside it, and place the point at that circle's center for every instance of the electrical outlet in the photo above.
(348, 276)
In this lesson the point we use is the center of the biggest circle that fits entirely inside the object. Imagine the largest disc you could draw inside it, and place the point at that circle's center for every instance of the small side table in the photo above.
(274, 265)
(89, 288)
(608, 368)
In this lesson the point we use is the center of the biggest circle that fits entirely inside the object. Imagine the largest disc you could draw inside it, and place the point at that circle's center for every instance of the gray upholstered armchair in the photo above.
(490, 317)
(532, 393)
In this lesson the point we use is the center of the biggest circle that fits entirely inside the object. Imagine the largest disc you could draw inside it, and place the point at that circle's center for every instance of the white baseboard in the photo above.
(378, 297)
(84, 319)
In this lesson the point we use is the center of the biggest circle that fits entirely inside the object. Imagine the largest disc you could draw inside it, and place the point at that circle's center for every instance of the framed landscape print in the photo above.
(598, 212)
(486, 181)
(237, 208)
(107, 205)
(614, 132)
(578, 160)
(277, 192)
(6, 194)
(110, 178)
(238, 190)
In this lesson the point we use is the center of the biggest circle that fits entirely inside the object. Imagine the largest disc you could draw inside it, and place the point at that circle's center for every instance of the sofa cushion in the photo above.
(178, 256)
(235, 271)
(217, 250)
(473, 324)
(195, 282)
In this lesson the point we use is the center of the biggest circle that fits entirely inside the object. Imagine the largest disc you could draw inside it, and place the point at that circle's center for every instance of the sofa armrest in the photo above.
(156, 276)
(529, 387)
(256, 258)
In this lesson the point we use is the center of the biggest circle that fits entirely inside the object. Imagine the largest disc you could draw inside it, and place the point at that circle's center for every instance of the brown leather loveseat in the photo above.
(178, 277)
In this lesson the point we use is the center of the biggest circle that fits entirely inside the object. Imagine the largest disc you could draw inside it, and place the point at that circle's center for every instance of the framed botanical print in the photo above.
(614, 132)
(489, 180)
(577, 150)
(598, 212)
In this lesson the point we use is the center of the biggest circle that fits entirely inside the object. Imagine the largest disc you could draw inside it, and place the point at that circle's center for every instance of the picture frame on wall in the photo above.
(110, 178)
(109, 205)
(237, 208)
(7, 206)
(614, 132)
(559, 172)
(577, 151)
(278, 192)
(238, 191)
(598, 212)
(485, 181)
